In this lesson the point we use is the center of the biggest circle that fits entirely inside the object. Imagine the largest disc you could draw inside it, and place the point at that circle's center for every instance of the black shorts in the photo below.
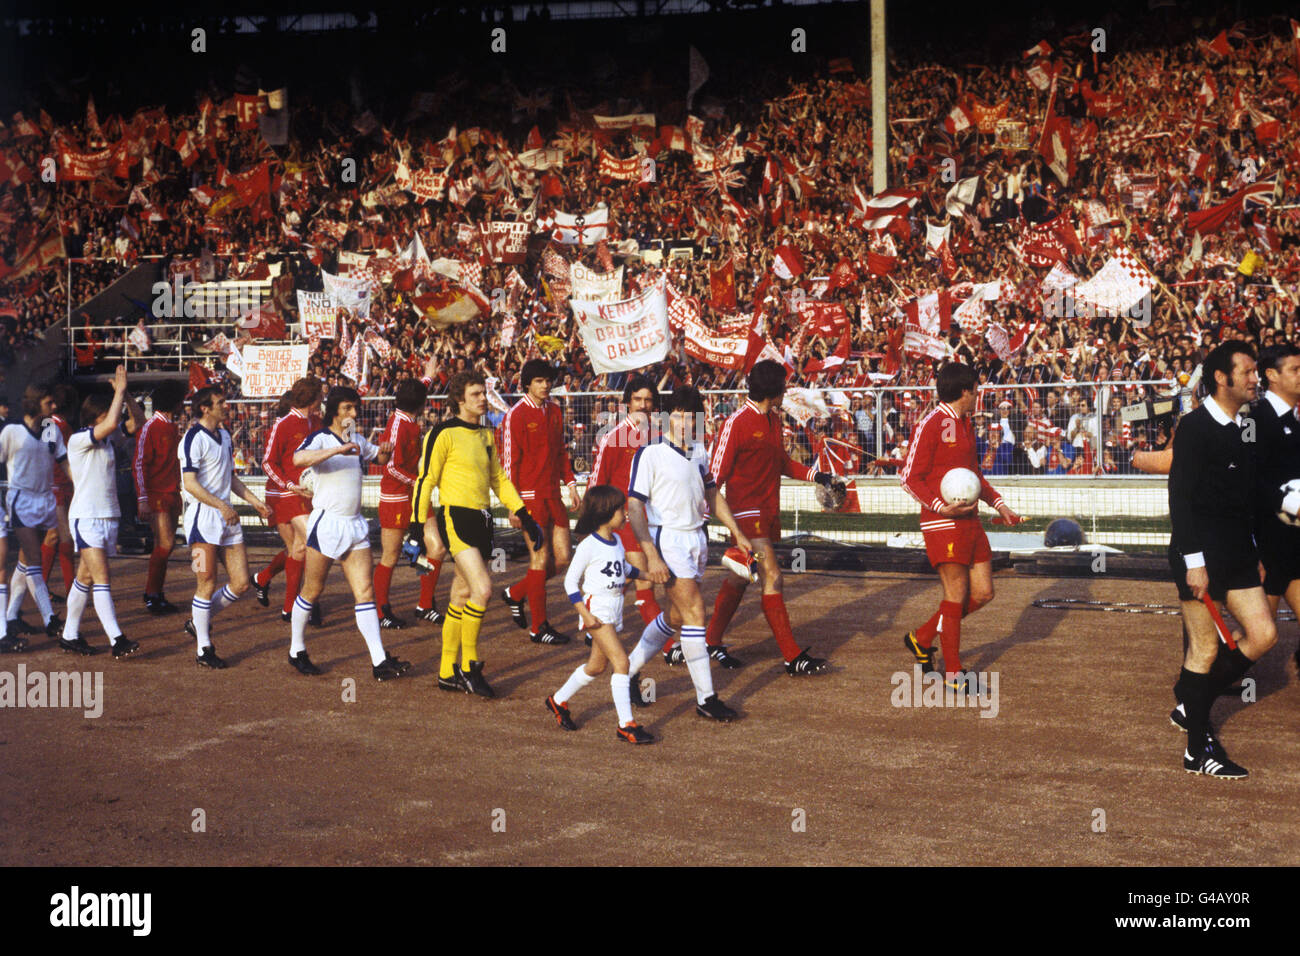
(1281, 566)
(466, 528)
(1237, 572)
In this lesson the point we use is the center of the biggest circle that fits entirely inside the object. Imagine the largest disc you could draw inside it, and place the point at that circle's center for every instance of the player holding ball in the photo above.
(955, 542)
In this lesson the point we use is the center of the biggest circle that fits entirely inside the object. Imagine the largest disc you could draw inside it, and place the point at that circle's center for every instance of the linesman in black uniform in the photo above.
(1277, 427)
(1212, 493)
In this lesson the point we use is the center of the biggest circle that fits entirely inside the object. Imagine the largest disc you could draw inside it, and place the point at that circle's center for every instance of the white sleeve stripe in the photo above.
(911, 454)
(720, 448)
(139, 458)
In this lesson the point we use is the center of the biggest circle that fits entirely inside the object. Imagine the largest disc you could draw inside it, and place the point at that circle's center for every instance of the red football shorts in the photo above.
(395, 515)
(285, 508)
(164, 502)
(760, 526)
(548, 511)
(630, 544)
(62, 496)
(964, 544)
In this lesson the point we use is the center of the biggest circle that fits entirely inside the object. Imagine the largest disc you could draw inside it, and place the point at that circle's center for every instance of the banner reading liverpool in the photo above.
(270, 370)
(626, 335)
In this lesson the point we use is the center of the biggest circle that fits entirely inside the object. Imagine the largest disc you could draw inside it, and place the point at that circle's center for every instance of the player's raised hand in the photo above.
(119, 380)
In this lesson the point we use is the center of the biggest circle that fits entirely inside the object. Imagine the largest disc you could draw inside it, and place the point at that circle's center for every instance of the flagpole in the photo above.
(879, 110)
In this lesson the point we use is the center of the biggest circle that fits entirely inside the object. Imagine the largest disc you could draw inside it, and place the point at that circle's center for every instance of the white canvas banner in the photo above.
(316, 312)
(592, 286)
(626, 335)
(270, 370)
(348, 293)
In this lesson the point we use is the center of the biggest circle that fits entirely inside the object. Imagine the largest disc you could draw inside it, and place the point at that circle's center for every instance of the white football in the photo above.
(1291, 500)
(960, 486)
(307, 480)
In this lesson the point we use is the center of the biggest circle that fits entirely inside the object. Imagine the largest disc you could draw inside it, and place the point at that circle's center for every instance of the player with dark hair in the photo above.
(212, 527)
(157, 486)
(290, 503)
(613, 466)
(672, 493)
(1212, 551)
(748, 460)
(336, 530)
(59, 540)
(1277, 422)
(31, 452)
(403, 434)
(595, 582)
(955, 541)
(536, 460)
(94, 512)
(460, 460)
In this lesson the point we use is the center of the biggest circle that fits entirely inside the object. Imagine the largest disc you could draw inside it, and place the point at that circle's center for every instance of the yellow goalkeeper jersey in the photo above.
(460, 460)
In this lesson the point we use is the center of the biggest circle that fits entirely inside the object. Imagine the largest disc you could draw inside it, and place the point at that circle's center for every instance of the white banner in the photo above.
(709, 346)
(583, 229)
(804, 404)
(627, 121)
(592, 286)
(270, 370)
(316, 312)
(348, 293)
(539, 159)
(626, 335)
(1120, 285)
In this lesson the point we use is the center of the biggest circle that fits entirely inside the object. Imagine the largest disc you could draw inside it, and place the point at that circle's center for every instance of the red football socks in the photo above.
(428, 582)
(779, 621)
(724, 609)
(292, 579)
(383, 577)
(271, 570)
(535, 585)
(926, 632)
(950, 614)
(157, 571)
(647, 605)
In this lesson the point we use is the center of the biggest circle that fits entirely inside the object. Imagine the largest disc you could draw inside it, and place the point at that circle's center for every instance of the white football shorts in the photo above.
(203, 524)
(95, 533)
(685, 552)
(334, 536)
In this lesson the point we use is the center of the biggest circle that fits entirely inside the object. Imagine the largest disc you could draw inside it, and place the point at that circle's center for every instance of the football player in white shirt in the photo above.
(94, 512)
(31, 451)
(211, 524)
(336, 531)
(671, 496)
(595, 580)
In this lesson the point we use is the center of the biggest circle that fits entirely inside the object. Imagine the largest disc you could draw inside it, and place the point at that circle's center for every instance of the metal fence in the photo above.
(1085, 471)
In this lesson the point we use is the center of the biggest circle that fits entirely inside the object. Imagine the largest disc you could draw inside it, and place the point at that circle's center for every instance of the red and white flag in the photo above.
(786, 262)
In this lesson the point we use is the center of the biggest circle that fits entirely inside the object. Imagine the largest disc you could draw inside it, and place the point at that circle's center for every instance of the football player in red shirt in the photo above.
(748, 461)
(955, 541)
(536, 460)
(403, 433)
(289, 503)
(158, 486)
(613, 466)
(60, 539)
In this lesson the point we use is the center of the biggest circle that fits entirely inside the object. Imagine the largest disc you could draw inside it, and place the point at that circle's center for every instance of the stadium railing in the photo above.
(1114, 504)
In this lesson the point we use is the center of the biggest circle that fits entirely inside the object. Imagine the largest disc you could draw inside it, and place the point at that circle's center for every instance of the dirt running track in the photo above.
(286, 772)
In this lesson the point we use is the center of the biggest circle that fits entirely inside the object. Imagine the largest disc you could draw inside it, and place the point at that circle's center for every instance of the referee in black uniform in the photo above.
(1278, 437)
(1212, 492)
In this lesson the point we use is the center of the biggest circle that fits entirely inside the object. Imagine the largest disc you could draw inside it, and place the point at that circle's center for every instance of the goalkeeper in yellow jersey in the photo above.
(460, 460)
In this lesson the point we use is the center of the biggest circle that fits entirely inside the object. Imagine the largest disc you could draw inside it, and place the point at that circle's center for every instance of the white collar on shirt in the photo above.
(1279, 404)
(1219, 415)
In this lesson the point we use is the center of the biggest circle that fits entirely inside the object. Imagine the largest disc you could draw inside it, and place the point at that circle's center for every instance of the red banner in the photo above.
(85, 166)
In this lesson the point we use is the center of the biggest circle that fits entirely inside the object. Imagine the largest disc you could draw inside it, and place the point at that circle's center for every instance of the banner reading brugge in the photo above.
(270, 370)
(592, 286)
(316, 312)
(626, 335)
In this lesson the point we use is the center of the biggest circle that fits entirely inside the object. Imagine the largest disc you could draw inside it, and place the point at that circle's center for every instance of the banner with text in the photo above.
(625, 335)
(270, 370)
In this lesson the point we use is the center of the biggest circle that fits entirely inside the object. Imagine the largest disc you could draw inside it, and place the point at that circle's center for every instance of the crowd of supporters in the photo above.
(1142, 126)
